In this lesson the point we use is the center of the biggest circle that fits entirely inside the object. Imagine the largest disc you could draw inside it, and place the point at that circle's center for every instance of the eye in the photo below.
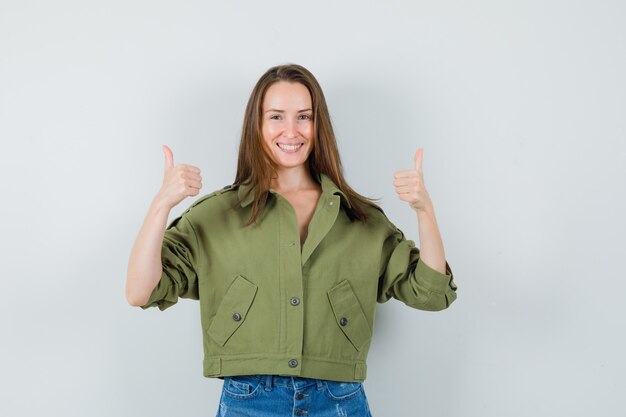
(276, 115)
(308, 117)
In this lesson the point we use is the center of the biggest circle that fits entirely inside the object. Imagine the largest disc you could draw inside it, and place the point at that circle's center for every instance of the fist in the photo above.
(410, 186)
(179, 181)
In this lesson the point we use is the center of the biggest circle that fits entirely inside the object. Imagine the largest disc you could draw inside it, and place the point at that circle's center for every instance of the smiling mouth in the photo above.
(290, 148)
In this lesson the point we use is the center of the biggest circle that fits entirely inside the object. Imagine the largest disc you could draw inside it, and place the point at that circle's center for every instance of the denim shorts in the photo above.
(288, 396)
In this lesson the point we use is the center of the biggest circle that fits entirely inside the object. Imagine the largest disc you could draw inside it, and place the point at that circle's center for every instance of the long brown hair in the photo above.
(254, 164)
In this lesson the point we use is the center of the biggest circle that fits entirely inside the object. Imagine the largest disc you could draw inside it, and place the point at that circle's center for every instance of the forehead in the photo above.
(286, 95)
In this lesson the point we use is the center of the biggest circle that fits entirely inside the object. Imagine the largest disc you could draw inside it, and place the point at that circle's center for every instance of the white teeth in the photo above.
(289, 147)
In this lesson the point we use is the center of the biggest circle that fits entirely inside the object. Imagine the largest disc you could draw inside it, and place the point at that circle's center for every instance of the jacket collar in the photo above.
(328, 188)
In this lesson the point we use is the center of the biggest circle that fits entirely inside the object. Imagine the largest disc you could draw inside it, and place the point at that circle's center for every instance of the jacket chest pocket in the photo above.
(349, 315)
(232, 310)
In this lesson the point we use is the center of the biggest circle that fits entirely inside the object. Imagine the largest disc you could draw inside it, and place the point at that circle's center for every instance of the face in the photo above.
(288, 123)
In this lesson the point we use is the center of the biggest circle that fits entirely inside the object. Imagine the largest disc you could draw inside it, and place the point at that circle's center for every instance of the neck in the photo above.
(293, 179)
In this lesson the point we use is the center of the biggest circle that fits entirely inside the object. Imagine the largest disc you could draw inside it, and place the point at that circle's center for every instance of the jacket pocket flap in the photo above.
(233, 309)
(349, 315)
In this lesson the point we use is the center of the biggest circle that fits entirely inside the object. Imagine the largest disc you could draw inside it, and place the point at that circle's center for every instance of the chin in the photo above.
(286, 162)
(290, 165)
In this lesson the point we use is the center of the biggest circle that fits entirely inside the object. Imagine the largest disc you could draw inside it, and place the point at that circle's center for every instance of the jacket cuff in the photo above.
(434, 280)
(163, 295)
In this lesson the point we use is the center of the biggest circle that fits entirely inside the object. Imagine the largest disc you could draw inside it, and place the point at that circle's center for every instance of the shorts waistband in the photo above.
(295, 382)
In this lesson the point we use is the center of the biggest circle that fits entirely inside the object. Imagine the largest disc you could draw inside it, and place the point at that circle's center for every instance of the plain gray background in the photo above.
(519, 107)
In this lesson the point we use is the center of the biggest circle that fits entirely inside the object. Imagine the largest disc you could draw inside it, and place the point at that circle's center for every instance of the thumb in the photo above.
(417, 159)
(169, 157)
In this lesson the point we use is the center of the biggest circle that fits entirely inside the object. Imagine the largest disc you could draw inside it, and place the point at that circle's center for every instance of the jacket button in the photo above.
(236, 316)
(293, 363)
(343, 321)
(300, 412)
(330, 204)
(292, 243)
(295, 301)
(301, 395)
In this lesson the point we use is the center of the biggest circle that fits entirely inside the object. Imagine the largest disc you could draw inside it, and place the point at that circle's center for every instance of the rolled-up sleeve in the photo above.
(179, 254)
(405, 277)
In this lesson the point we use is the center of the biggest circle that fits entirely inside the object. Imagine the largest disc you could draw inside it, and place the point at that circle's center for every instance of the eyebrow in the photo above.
(282, 111)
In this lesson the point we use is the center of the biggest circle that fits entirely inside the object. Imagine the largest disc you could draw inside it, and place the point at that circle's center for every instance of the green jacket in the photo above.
(270, 307)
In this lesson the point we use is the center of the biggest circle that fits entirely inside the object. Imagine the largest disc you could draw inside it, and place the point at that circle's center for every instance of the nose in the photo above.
(291, 129)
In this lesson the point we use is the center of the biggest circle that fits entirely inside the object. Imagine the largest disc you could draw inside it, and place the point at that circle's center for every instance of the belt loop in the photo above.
(268, 382)
(320, 384)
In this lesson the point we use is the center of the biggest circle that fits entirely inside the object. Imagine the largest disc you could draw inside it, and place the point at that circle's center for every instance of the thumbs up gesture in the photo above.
(410, 186)
(179, 181)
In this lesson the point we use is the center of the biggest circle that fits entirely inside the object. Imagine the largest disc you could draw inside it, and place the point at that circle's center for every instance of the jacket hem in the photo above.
(307, 367)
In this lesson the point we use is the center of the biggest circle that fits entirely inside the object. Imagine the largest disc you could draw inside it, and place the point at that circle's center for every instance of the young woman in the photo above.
(288, 262)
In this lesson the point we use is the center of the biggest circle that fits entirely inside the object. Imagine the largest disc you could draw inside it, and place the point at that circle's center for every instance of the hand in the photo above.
(179, 181)
(410, 186)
